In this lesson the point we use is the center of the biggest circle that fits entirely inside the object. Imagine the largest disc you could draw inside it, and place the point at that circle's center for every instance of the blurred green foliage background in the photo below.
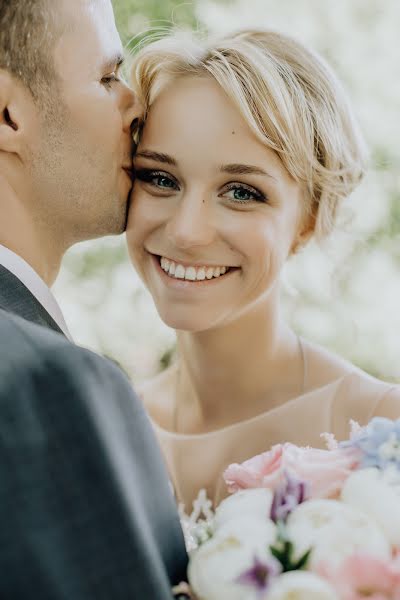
(135, 17)
(345, 294)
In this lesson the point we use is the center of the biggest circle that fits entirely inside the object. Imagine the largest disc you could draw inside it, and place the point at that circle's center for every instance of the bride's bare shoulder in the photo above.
(157, 394)
(361, 396)
(324, 366)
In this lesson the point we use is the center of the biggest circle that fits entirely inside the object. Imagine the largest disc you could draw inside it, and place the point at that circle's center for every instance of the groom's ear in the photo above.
(12, 112)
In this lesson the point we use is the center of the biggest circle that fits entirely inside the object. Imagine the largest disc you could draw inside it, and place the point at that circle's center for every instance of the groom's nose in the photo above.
(132, 110)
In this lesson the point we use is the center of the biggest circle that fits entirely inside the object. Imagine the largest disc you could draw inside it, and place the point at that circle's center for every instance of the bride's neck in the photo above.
(235, 372)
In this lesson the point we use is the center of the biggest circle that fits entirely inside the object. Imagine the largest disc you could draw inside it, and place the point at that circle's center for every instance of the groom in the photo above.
(85, 507)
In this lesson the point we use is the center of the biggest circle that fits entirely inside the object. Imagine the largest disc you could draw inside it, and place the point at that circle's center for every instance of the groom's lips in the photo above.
(129, 170)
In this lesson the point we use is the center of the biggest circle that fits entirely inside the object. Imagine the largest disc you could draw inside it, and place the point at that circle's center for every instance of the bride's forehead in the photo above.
(195, 107)
(216, 141)
(193, 94)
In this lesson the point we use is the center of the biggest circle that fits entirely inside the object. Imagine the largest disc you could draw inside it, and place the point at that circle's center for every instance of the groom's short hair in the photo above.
(27, 34)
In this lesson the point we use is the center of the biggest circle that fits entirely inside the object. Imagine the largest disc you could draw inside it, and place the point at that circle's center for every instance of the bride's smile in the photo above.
(191, 272)
(189, 278)
(194, 273)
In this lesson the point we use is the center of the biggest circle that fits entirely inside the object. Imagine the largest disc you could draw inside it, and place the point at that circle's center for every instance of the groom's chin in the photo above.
(127, 210)
(118, 222)
(109, 224)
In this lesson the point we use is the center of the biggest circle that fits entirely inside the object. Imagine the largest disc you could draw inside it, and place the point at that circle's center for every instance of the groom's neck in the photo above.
(47, 268)
(34, 242)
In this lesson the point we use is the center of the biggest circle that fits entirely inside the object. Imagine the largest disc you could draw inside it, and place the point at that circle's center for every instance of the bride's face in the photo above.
(214, 212)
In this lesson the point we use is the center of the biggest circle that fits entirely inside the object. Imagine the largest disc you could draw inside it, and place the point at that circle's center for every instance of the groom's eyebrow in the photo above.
(115, 62)
(166, 159)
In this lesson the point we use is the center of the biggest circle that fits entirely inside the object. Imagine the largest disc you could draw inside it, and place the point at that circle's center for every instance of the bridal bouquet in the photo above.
(307, 524)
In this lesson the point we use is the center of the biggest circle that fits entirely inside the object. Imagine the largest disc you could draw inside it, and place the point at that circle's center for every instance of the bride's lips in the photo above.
(179, 283)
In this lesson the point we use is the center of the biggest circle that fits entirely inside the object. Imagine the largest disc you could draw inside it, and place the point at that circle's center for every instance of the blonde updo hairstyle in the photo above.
(289, 97)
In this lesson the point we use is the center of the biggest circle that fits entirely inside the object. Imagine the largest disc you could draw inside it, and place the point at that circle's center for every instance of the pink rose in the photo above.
(325, 470)
(361, 576)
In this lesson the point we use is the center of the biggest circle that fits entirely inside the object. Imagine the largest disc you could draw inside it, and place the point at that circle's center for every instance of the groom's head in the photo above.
(65, 117)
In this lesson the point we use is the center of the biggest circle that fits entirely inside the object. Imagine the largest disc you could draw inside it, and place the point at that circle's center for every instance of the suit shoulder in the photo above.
(32, 349)
(48, 383)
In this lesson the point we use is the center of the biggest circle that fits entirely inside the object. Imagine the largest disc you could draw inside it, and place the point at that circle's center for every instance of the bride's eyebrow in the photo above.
(157, 156)
(239, 169)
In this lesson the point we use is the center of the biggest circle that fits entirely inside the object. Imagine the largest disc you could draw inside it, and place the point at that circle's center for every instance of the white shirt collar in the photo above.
(35, 284)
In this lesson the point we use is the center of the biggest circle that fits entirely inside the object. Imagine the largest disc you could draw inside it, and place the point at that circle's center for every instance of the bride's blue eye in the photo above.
(157, 179)
(163, 181)
(243, 194)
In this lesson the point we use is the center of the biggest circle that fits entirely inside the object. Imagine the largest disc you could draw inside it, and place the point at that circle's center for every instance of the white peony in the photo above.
(300, 585)
(334, 530)
(255, 502)
(377, 493)
(259, 533)
(215, 566)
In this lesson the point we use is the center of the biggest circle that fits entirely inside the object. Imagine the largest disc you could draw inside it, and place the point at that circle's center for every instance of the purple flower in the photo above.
(261, 574)
(287, 496)
(379, 442)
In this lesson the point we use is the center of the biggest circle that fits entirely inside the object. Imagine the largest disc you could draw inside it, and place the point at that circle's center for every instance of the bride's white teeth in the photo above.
(180, 272)
(191, 273)
(165, 264)
(201, 274)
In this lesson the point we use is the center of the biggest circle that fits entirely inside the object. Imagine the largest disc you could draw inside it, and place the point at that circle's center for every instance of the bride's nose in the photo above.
(192, 223)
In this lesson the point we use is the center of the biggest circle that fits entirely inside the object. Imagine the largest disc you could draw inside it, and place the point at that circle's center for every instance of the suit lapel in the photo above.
(16, 298)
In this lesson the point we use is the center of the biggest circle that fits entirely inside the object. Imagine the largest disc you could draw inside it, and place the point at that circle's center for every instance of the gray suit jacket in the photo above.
(85, 507)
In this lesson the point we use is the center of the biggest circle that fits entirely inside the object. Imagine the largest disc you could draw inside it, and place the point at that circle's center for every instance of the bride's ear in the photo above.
(11, 113)
(305, 233)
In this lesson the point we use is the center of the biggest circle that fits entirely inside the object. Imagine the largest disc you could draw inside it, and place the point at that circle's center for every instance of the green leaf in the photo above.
(284, 554)
(302, 562)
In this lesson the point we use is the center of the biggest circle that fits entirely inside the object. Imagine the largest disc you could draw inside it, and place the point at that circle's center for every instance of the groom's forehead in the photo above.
(89, 34)
(77, 14)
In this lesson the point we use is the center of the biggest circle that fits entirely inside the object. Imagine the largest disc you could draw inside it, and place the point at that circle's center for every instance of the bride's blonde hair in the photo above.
(289, 97)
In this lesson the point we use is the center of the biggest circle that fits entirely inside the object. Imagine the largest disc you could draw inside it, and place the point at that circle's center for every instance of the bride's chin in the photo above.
(187, 323)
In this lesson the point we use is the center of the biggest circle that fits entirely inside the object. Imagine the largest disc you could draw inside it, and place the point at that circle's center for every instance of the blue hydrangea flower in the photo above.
(379, 442)
(261, 574)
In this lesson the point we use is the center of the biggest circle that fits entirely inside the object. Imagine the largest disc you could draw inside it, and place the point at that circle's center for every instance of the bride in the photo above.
(247, 149)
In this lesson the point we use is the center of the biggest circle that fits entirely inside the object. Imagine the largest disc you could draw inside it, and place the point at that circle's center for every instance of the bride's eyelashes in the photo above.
(159, 180)
(235, 192)
(243, 194)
